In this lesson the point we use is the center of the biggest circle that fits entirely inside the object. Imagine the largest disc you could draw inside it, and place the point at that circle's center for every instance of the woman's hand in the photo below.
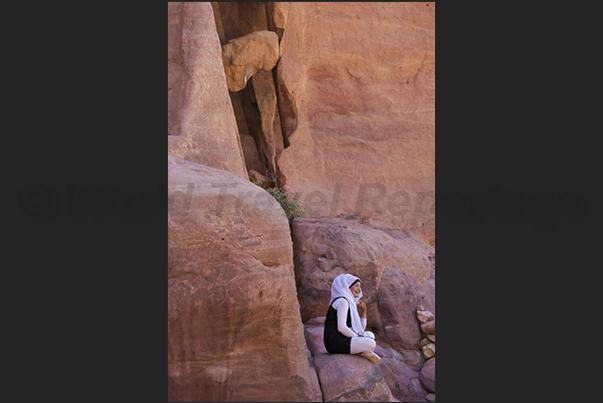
(361, 309)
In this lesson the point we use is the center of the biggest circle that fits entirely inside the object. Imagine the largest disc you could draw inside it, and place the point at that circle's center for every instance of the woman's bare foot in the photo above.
(374, 358)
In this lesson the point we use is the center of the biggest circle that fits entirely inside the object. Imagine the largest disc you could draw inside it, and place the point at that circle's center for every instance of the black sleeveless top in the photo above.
(335, 342)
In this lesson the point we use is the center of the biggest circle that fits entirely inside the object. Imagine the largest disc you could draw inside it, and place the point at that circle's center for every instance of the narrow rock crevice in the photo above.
(248, 47)
(264, 109)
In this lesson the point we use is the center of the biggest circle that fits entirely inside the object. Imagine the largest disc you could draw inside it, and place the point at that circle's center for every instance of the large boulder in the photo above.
(401, 377)
(243, 56)
(350, 378)
(201, 121)
(234, 329)
(356, 84)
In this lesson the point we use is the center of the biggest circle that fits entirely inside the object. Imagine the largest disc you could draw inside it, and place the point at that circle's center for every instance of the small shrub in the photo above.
(288, 201)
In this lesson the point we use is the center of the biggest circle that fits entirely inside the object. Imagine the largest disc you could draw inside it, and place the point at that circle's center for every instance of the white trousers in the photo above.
(364, 344)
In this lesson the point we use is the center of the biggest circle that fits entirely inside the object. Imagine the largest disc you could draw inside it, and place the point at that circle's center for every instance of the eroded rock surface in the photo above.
(234, 330)
(201, 121)
(427, 377)
(366, 247)
(243, 56)
(399, 296)
(313, 332)
(425, 232)
(401, 377)
(357, 100)
(270, 133)
(350, 378)
(252, 160)
(279, 14)
(428, 327)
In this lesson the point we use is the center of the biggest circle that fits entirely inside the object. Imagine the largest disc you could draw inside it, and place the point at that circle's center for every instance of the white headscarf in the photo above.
(341, 288)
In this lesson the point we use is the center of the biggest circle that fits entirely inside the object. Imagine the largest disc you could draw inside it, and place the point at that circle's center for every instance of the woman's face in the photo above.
(356, 290)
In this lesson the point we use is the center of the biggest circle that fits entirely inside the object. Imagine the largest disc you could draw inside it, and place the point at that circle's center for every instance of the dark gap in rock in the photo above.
(280, 103)
(253, 120)
(234, 20)
(288, 121)
(218, 19)
(228, 25)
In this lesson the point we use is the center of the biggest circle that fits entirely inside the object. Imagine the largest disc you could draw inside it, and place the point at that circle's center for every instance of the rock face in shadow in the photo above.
(357, 93)
(234, 329)
(201, 121)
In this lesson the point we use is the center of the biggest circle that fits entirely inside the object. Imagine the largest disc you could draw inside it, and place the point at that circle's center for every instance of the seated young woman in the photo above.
(345, 325)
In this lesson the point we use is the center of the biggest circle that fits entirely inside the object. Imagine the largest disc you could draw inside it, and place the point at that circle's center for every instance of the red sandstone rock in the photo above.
(351, 378)
(429, 350)
(201, 120)
(429, 327)
(425, 233)
(270, 137)
(402, 378)
(428, 375)
(396, 272)
(326, 247)
(314, 332)
(279, 16)
(234, 330)
(398, 296)
(357, 101)
(424, 316)
(243, 56)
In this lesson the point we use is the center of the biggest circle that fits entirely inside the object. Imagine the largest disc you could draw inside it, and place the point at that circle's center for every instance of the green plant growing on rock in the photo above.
(288, 201)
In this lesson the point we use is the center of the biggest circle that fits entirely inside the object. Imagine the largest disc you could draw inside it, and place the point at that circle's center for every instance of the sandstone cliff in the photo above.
(360, 78)
(334, 101)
